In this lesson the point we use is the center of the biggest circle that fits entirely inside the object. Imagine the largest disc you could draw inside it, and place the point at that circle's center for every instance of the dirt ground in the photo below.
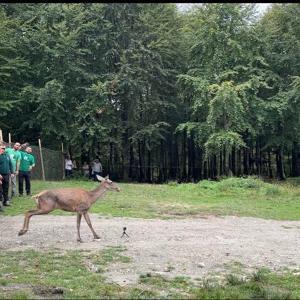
(184, 247)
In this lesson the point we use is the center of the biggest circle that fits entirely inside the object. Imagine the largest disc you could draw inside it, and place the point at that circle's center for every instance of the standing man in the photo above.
(68, 167)
(6, 170)
(15, 157)
(26, 165)
(97, 168)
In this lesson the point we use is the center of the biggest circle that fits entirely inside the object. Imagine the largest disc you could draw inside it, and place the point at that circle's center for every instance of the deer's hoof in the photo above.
(21, 232)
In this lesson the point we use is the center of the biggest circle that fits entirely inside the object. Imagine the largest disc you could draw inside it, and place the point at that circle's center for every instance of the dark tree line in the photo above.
(157, 94)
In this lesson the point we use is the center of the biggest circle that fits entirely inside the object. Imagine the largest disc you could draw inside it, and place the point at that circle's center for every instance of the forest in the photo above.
(157, 94)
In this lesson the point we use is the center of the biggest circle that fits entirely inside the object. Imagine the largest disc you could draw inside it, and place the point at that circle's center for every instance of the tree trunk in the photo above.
(239, 163)
(176, 161)
(149, 167)
(162, 164)
(233, 161)
(221, 163)
(251, 161)
(199, 161)
(183, 160)
(141, 156)
(110, 167)
(270, 172)
(225, 162)
(191, 159)
(280, 164)
(245, 162)
(131, 163)
(295, 159)
(205, 169)
(214, 167)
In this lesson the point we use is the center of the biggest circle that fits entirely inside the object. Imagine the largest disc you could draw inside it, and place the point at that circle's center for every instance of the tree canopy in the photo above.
(156, 93)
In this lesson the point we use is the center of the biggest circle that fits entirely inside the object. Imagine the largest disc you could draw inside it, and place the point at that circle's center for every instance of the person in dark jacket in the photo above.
(6, 170)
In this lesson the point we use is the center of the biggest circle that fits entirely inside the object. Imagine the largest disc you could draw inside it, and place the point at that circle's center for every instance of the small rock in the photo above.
(201, 265)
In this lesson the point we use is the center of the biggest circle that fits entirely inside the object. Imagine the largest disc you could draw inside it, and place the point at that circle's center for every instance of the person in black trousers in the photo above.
(6, 170)
(26, 165)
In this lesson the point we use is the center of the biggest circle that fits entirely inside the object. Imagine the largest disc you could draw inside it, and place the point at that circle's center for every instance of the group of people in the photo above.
(17, 161)
(88, 170)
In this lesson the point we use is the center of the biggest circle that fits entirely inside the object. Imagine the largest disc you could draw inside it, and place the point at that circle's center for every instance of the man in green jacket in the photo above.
(6, 170)
(26, 165)
(15, 157)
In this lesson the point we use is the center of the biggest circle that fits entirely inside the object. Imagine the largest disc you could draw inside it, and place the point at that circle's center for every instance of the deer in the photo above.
(70, 199)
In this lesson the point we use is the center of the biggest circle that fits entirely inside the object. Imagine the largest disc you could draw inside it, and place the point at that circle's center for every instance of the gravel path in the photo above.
(185, 247)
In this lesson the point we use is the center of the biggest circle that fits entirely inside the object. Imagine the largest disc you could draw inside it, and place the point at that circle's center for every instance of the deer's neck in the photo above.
(97, 193)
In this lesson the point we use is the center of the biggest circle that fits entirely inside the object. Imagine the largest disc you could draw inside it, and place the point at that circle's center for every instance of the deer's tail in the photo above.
(36, 197)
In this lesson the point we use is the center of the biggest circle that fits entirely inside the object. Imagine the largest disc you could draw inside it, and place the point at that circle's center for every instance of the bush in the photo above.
(207, 184)
(243, 183)
(272, 190)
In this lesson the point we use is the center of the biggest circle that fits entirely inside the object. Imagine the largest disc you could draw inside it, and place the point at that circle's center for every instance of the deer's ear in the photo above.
(100, 178)
(107, 177)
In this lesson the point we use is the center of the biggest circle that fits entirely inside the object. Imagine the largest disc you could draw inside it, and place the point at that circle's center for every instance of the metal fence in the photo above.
(53, 164)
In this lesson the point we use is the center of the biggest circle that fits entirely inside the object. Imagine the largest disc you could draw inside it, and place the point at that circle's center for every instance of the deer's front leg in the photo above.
(79, 215)
(87, 218)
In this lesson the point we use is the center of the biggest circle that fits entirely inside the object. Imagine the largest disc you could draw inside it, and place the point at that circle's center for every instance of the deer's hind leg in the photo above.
(79, 215)
(43, 208)
(28, 215)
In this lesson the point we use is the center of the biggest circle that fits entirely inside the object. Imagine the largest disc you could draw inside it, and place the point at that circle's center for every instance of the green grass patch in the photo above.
(261, 285)
(232, 196)
(68, 275)
(80, 275)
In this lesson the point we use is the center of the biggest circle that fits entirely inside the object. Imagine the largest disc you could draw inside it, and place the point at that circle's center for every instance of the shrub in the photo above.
(240, 183)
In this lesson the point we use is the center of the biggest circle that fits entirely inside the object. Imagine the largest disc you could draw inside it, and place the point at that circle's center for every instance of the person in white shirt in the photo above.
(68, 167)
(96, 168)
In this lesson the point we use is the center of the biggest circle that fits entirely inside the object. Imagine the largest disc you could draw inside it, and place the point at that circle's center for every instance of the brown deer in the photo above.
(70, 199)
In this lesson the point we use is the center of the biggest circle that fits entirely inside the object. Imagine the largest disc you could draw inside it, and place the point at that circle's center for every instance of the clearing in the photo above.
(194, 247)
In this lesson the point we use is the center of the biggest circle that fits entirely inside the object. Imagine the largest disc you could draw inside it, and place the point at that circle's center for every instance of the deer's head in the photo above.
(108, 184)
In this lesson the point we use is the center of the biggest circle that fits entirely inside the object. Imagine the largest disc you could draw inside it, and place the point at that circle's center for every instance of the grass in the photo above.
(233, 196)
(55, 275)
(33, 274)
(261, 285)
(81, 274)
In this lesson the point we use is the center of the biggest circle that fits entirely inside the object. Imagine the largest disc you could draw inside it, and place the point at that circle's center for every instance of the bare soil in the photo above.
(182, 247)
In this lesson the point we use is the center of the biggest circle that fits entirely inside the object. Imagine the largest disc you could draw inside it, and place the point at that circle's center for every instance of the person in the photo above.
(15, 157)
(6, 170)
(97, 168)
(91, 175)
(85, 169)
(24, 146)
(68, 167)
(26, 164)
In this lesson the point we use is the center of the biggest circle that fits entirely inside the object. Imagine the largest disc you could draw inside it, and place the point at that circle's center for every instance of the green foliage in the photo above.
(242, 183)
(226, 109)
(223, 140)
(12, 65)
(130, 82)
(50, 110)
(152, 134)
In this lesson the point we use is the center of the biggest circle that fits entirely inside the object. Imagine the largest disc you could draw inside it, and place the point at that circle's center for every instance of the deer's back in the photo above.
(64, 198)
